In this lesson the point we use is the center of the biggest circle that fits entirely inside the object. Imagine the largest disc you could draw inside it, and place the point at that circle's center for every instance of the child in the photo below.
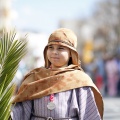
(60, 90)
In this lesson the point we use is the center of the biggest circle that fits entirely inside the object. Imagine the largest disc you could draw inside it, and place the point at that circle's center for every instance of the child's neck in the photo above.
(57, 67)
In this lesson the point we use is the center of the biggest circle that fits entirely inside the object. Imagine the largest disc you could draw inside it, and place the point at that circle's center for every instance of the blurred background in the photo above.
(97, 26)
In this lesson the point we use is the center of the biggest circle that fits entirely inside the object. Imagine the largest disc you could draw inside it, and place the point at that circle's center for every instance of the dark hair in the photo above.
(70, 61)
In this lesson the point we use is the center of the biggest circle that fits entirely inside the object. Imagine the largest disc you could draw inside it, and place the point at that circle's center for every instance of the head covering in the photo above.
(64, 37)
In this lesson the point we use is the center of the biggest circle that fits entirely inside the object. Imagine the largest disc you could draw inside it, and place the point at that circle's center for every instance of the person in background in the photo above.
(60, 89)
(118, 64)
(112, 72)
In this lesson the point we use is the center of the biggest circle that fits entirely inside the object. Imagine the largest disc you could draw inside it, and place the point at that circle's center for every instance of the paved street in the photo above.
(112, 108)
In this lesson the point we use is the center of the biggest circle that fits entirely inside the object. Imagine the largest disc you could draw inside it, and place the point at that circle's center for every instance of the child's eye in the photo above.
(49, 47)
(60, 48)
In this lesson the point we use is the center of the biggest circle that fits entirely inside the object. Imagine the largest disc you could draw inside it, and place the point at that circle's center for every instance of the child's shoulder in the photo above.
(34, 71)
(37, 69)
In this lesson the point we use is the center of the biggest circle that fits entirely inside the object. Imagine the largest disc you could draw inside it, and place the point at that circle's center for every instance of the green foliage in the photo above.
(11, 52)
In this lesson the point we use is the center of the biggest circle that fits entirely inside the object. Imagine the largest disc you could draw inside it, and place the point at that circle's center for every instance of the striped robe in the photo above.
(78, 103)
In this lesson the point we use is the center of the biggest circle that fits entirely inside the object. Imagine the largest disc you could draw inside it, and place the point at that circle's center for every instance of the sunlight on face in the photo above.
(58, 55)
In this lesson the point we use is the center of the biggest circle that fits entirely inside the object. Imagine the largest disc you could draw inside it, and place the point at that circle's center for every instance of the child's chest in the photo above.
(63, 104)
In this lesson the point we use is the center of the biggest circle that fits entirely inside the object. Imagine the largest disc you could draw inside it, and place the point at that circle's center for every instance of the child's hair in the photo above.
(64, 37)
(70, 61)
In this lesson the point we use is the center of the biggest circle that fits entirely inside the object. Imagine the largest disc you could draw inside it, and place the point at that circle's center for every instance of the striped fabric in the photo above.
(77, 103)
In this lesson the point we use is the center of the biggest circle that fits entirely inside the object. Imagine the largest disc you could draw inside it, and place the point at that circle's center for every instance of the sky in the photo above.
(44, 15)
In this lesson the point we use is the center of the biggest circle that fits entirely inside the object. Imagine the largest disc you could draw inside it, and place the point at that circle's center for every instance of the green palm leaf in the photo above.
(11, 52)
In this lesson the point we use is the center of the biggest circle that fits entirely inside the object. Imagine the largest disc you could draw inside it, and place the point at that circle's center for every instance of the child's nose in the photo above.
(55, 51)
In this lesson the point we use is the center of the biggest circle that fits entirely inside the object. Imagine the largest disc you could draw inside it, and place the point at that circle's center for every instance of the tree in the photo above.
(11, 52)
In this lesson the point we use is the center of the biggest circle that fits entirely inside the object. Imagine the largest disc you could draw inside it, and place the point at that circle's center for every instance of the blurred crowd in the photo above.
(105, 72)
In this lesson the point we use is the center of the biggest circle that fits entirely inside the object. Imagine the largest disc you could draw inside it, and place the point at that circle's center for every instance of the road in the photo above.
(111, 108)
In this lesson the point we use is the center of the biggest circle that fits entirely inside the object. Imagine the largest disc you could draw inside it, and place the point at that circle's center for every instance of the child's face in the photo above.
(58, 56)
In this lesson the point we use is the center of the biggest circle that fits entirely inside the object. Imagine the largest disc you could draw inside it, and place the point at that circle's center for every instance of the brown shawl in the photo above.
(41, 82)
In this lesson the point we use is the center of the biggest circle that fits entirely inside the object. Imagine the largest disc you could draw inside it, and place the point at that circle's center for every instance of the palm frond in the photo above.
(11, 52)
(5, 103)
